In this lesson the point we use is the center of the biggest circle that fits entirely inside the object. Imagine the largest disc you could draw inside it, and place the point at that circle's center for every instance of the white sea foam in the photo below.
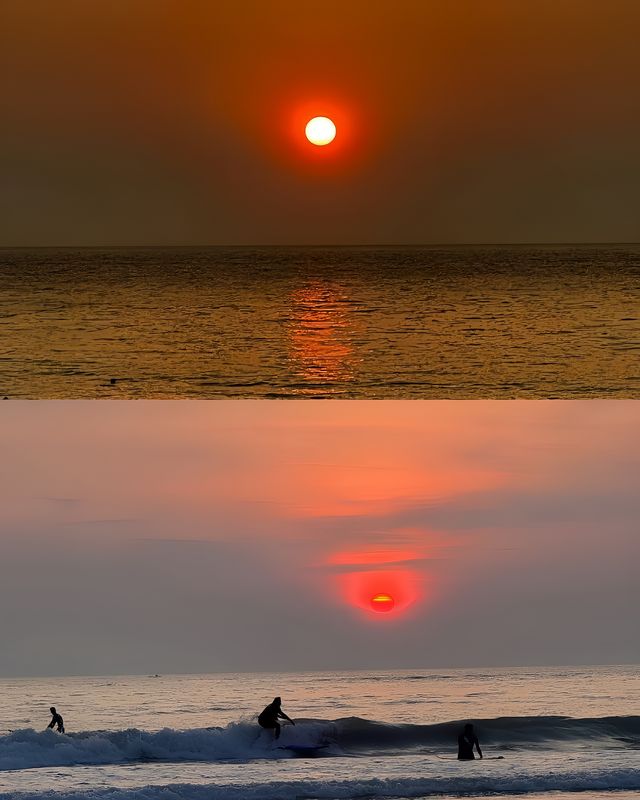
(25, 749)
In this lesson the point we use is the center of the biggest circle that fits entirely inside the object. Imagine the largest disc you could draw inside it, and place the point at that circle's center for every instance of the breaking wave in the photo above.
(243, 741)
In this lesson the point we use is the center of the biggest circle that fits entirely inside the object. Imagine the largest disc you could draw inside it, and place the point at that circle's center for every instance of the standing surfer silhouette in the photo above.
(269, 717)
(467, 740)
(56, 720)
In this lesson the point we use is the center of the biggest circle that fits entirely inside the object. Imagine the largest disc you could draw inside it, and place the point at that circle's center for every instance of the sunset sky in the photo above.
(182, 121)
(195, 536)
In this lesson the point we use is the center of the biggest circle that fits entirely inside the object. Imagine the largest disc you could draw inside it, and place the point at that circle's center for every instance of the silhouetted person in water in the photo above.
(466, 742)
(56, 721)
(271, 714)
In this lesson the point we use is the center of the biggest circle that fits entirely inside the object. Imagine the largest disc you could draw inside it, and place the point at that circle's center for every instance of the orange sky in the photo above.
(180, 121)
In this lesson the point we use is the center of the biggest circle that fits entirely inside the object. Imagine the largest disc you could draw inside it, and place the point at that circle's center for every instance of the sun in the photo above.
(382, 602)
(320, 131)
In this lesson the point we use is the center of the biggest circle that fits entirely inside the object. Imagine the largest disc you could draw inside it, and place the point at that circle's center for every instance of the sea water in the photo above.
(355, 322)
(388, 734)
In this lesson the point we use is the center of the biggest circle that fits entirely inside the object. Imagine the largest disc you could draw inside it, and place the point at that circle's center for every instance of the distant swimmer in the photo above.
(466, 742)
(271, 714)
(56, 721)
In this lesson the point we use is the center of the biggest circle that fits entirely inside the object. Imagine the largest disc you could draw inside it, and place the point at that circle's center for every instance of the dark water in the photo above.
(467, 322)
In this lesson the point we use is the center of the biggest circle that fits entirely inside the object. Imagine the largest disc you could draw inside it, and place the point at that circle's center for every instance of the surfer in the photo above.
(56, 720)
(466, 742)
(269, 717)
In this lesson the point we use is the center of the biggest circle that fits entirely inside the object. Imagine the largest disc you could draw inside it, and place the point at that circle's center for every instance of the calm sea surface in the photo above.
(320, 322)
(387, 734)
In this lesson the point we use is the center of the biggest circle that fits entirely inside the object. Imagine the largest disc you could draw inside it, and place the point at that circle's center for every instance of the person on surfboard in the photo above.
(56, 720)
(269, 717)
(466, 742)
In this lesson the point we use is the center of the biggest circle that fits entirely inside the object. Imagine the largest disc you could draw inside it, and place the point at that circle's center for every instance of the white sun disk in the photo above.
(320, 131)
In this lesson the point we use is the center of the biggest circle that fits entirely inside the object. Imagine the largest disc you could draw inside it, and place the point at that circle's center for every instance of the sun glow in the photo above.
(320, 131)
(404, 589)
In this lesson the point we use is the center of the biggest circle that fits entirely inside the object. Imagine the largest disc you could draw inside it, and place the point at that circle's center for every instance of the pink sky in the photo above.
(460, 509)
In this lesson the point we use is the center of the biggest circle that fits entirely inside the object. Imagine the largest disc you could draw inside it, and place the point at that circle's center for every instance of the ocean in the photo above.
(545, 732)
(350, 322)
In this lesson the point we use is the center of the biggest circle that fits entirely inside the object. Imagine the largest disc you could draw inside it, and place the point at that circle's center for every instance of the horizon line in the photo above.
(323, 670)
(317, 245)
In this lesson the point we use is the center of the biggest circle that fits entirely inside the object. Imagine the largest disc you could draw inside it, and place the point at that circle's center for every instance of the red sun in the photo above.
(382, 602)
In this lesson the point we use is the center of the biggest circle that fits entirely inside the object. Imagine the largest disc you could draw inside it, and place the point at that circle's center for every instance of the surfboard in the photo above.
(304, 751)
(486, 758)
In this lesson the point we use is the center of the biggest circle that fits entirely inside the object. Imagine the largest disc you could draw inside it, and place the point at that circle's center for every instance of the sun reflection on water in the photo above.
(320, 338)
